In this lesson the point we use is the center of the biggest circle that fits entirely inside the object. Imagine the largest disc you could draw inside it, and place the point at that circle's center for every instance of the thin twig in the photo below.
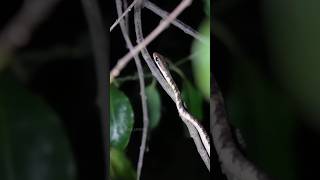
(235, 165)
(99, 43)
(192, 130)
(144, 132)
(132, 78)
(145, 54)
(123, 15)
(142, 91)
(165, 23)
(126, 17)
(19, 29)
(172, 66)
(164, 14)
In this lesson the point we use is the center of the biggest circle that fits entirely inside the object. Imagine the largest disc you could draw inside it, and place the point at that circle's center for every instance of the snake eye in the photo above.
(155, 57)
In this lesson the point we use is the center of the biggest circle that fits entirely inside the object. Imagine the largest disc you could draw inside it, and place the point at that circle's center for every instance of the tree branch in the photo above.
(19, 29)
(235, 165)
(179, 24)
(165, 23)
(99, 43)
(142, 90)
(192, 130)
(123, 15)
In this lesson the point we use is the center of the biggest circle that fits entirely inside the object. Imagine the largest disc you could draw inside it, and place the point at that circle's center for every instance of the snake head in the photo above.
(157, 56)
(159, 59)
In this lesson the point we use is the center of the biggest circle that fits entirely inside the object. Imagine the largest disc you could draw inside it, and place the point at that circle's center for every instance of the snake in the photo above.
(163, 68)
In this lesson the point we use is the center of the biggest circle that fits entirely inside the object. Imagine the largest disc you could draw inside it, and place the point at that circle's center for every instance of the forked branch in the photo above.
(124, 28)
(163, 25)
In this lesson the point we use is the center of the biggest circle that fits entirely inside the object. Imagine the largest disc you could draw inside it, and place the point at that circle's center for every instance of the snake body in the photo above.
(159, 61)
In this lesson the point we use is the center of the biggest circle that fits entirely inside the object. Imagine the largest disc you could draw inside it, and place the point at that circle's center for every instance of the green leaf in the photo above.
(201, 60)
(121, 119)
(121, 168)
(207, 7)
(193, 99)
(154, 105)
(33, 144)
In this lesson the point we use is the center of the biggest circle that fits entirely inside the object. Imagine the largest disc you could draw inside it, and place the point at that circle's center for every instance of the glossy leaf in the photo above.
(33, 144)
(121, 119)
(154, 105)
(193, 99)
(201, 60)
(121, 168)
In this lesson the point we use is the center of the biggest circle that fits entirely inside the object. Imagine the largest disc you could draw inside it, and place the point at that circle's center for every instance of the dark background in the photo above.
(57, 65)
(272, 115)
